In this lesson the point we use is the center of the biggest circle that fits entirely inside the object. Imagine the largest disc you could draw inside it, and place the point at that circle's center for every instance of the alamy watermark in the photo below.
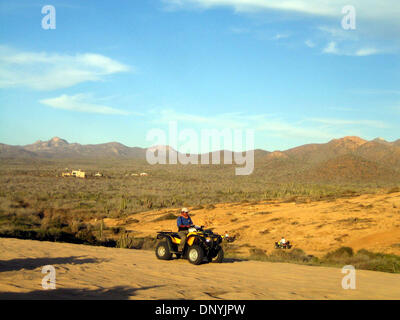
(196, 147)
(349, 280)
(349, 20)
(49, 20)
(49, 280)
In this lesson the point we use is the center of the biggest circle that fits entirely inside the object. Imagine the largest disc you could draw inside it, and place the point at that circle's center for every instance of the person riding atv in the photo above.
(191, 242)
(283, 244)
(184, 222)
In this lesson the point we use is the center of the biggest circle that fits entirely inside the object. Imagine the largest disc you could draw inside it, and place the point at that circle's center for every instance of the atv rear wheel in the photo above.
(195, 254)
(162, 251)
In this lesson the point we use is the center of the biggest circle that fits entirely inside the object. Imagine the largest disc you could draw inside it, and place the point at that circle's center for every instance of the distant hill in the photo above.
(378, 150)
(7, 151)
(349, 159)
(396, 143)
(350, 168)
(314, 153)
(60, 148)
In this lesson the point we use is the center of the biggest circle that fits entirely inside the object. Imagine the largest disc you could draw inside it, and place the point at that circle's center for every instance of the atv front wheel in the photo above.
(195, 254)
(219, 257)
(162, 251)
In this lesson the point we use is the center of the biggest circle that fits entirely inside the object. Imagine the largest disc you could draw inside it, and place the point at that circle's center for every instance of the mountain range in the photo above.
(346, 159)
(59, 148)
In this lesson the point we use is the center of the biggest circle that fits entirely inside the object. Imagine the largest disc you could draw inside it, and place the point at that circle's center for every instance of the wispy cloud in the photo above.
(81, 103)
(310, 43)
(375, 21)
(331, 48)
(370, 9)
(279, 36)
(50, 71)
(337, 33)
(366, 52)
(346, 122)
(343, 42)
(323, 128)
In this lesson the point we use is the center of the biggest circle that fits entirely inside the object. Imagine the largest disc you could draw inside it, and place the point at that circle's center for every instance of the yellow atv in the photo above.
(199, 244)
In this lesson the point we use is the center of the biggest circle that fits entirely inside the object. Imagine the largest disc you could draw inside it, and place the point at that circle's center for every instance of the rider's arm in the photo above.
(179, 222)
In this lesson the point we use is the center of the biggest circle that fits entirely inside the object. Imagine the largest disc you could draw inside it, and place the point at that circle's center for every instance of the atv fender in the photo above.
(190, 241)
(169, 242)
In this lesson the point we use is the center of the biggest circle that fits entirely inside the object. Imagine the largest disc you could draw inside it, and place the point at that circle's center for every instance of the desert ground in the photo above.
(88, 272)
(369, 221)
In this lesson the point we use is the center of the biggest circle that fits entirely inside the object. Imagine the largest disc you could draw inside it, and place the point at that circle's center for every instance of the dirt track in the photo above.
(109, 273)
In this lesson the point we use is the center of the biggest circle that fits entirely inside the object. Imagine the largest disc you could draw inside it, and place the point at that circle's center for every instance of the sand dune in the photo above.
(86, 272)
(370, 221)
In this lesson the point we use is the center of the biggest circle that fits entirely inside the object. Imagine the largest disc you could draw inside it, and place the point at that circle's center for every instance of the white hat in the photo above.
(185, 210)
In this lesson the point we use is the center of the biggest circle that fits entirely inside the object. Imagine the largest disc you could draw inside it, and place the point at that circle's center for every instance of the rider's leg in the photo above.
(182, 235)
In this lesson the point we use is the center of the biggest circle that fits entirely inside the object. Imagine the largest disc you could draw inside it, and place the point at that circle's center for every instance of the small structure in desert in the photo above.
(78, 173)
(98, 174)
(144, 174)
(134, 174)
(74, 173)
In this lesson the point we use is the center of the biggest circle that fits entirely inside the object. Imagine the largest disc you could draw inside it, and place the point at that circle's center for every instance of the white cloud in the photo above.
(366, 52)
(349, 43)
(264, 123)
(50, 71)
(309, 43)
(331, 48)
(388, 11)
(81, 103)
(279, 36)
(346, 122)
(376, 21)
(269, 128)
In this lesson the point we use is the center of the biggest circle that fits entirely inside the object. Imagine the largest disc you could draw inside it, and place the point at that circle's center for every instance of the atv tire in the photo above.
(218, 258)
(195, 255)
(162, 251)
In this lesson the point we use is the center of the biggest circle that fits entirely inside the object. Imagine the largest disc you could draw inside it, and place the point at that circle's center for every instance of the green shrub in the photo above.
(339, 255)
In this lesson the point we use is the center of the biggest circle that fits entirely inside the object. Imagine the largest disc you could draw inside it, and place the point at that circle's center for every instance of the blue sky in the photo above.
(113, 70)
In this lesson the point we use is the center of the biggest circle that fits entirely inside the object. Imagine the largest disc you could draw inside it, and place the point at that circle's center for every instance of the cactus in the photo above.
(101, 229)
(123, 204)
(125, 241)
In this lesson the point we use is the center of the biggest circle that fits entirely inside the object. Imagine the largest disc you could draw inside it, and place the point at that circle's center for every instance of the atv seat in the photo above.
(170, 233)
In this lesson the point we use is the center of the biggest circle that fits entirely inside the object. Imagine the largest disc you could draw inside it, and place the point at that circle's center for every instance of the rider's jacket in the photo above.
(182, 221)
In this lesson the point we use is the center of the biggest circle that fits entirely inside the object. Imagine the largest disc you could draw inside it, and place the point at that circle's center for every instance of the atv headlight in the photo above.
(208, 239)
